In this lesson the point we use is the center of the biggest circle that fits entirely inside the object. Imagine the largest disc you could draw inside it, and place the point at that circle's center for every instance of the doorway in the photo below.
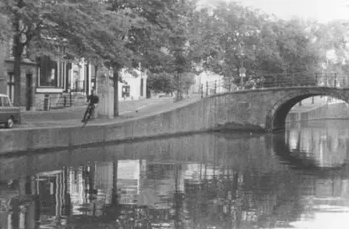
(29, 98)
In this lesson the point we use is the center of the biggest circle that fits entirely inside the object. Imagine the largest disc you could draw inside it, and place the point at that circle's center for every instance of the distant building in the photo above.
(134, 85)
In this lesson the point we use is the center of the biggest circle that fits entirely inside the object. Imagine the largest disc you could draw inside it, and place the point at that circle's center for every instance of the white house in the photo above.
(133, 86)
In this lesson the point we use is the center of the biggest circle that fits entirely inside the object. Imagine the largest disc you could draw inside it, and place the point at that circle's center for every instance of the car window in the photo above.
(6, 102)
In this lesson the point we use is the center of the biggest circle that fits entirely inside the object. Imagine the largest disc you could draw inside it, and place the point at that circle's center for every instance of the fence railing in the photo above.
(274, 81)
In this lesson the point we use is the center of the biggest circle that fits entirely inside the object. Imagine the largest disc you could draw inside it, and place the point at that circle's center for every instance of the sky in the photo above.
(321, 10)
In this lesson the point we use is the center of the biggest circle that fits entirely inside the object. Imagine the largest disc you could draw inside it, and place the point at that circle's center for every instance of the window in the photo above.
(5, 102)
(10, 85)
(48, 75)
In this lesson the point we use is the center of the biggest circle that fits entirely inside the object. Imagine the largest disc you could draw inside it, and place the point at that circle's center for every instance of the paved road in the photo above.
(128, 109)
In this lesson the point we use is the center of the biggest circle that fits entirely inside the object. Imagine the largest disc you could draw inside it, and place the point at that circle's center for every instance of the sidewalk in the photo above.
(127, 109)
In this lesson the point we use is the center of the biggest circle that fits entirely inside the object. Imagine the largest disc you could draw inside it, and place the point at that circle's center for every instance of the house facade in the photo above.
(48, 83)
(28, 77)
(59, 79)
(45, 81)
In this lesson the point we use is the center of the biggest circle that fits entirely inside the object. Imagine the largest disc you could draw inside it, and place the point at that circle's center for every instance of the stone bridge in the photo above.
(260, 109)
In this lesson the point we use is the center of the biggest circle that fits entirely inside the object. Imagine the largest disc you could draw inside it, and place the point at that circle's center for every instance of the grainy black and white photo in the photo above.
(174, 114)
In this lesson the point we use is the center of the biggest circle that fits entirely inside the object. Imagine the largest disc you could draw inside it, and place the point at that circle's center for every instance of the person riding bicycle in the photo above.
(92, 101)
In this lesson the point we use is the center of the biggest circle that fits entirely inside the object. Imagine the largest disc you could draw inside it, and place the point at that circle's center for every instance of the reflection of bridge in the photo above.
(267, 102)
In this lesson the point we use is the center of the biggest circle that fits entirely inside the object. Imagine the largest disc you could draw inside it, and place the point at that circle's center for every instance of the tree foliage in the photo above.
(26, 19)
(166, 82)
(5, 28)
(161, 82)
(170, 38)
(46, 27)
(229, 36)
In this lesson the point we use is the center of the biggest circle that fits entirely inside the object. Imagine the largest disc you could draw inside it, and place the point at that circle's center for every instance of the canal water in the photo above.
(298, 178)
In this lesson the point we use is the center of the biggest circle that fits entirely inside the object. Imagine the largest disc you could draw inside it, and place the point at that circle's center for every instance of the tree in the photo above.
(332, 42)
(118, 33)
(25, 21)
(39, 26)
(166, 82)
(295, 47)
(228, 36)
(161, 82)
(225, 37)
(5, 29)
(106, 39)
(188, 80)
(154, 23)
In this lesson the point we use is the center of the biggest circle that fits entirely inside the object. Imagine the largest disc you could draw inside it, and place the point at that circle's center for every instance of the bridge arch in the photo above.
(276, 117)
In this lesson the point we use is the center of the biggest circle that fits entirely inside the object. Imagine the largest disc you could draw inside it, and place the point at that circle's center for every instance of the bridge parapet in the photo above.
(272, 81)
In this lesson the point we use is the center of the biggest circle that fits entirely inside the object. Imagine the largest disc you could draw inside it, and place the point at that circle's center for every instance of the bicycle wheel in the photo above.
(88, 115)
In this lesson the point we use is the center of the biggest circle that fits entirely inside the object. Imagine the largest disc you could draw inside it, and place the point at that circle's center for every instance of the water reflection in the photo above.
(198, 181)
(323, 144)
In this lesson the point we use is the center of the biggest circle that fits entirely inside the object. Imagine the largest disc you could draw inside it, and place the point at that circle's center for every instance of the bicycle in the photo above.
(90, 110)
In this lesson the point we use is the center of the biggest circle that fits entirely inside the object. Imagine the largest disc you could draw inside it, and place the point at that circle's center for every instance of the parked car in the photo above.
(9, 114)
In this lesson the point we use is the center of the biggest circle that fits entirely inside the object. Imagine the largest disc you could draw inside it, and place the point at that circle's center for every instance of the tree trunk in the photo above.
(96, 72)
(116, 90)
(115, 197)
(17, 52)
(179, 95)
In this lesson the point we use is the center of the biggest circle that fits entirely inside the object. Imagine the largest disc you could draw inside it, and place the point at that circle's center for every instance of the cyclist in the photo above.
(92, 101)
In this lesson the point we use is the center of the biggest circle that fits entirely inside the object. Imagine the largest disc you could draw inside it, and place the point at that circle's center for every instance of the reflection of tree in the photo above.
(112, 211)
(67, 200)
(243, 199)
(274, 197)
(178, 200)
